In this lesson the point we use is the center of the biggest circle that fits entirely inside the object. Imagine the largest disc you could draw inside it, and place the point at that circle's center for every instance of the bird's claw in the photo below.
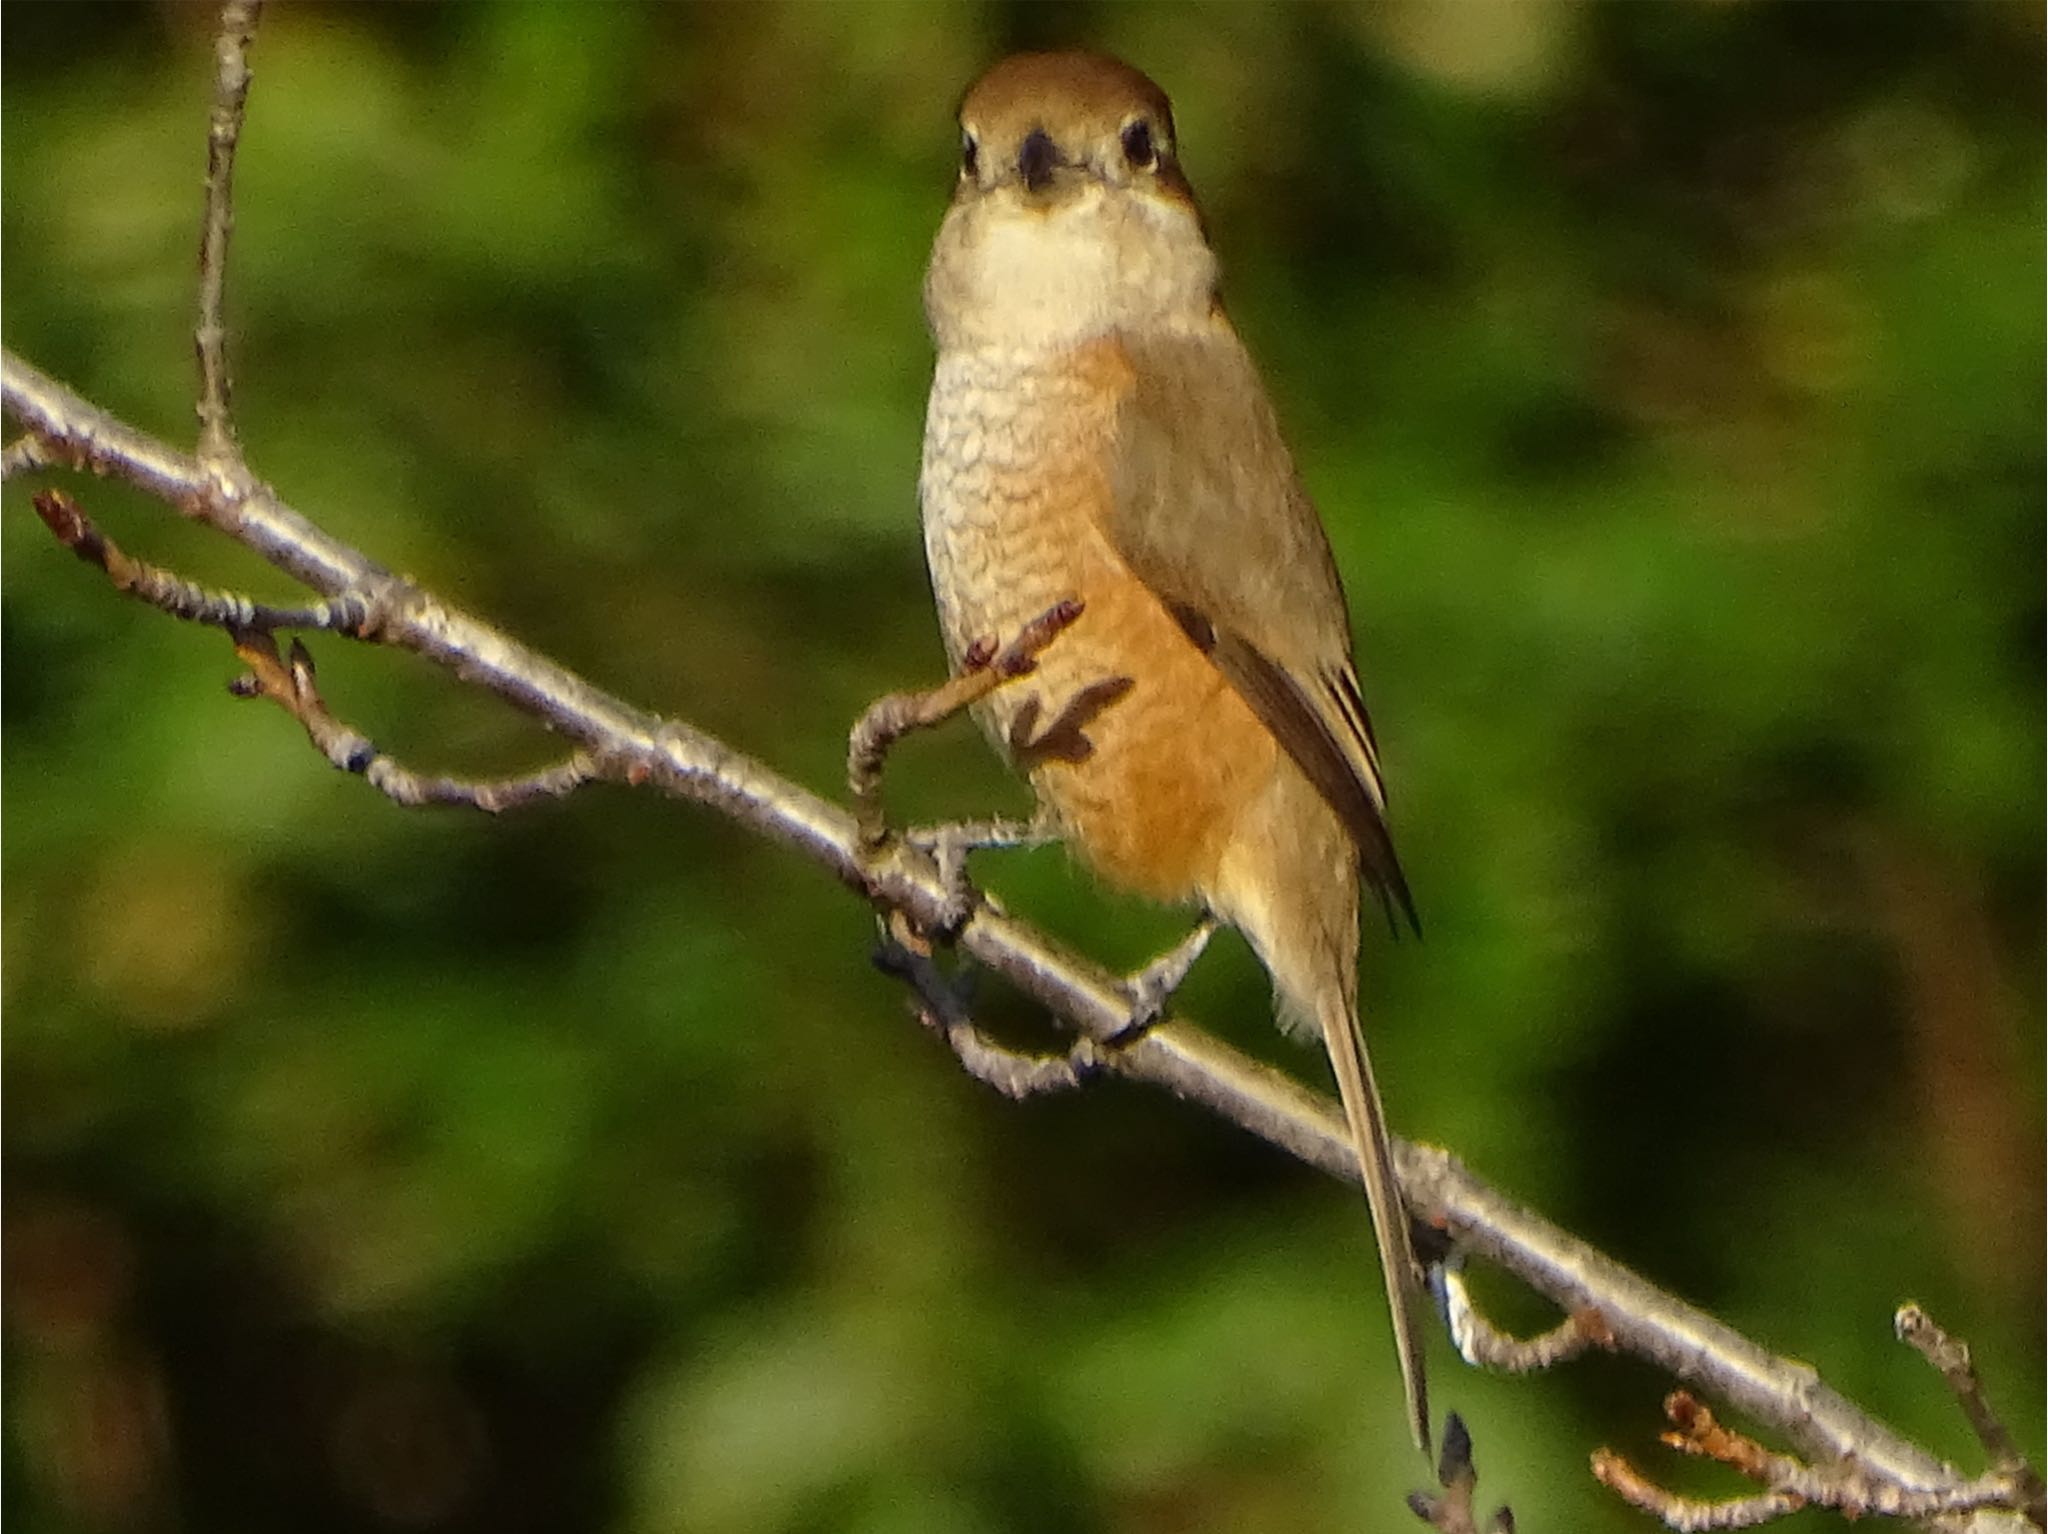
(1151, 988)
(949, 845)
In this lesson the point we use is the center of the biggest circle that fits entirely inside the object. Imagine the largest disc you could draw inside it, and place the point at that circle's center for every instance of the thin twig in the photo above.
(179, 597)
(1016, 1074)
(1696, 1432)
(986, 831)
(1482, 1344)
(290, 683)
(218, 448)
(1687, 1514)
(1845, 1485)
(1950, 1356)
(24, 455)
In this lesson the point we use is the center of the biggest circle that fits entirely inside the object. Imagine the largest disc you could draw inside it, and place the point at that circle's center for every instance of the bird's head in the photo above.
(1071, 216)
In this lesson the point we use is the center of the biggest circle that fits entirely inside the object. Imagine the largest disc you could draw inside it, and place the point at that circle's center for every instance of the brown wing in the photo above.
(1209, 512)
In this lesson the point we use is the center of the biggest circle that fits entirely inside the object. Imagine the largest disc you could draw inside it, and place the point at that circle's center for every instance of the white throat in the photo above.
(1010, 276)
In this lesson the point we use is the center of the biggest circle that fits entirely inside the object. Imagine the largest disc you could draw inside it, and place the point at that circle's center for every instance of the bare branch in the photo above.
(1653, 1325)
(616, 740)
(1016, 1074)
(1700, 1435)
(291, 685)
(1687, 1513)
(682, 761)
(174, 594)
(218, 448)
(1951, 1356)
(1482, 1344)
(1844, 1485)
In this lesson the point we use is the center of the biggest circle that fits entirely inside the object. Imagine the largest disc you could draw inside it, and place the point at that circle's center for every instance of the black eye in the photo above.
(1138, 146)
(970, 155)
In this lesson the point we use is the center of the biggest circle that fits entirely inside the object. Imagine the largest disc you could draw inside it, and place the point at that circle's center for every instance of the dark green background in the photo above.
(1670, 377)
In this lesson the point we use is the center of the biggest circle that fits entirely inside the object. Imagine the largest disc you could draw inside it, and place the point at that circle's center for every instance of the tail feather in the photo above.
(1345, 1041)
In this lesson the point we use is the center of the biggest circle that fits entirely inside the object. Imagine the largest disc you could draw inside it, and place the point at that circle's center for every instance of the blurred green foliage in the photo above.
(1671, 379)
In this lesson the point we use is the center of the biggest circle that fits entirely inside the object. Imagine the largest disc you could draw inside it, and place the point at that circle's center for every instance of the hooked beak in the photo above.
(1037, 158)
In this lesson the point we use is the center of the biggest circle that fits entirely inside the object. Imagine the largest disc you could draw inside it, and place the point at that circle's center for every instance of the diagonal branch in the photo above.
(687, 763)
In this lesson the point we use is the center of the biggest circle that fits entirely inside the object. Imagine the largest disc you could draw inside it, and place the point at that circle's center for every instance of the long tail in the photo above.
(1342, 1035)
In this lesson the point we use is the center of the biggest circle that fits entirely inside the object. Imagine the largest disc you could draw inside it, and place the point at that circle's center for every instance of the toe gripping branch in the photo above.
(907, 948)
(984, 667)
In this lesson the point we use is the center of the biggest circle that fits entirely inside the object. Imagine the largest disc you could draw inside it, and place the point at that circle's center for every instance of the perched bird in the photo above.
(1097, 431)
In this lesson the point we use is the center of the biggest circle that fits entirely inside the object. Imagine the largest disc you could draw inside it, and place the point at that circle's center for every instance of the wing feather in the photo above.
(1209, 512)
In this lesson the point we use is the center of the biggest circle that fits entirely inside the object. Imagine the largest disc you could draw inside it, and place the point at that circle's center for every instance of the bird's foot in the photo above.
(1152, 987)
(949, 845)
(981, 669)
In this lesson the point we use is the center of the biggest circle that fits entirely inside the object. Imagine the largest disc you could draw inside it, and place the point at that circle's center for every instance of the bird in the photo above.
(1096, 433)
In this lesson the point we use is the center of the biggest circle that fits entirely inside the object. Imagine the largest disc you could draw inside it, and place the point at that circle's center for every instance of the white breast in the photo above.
(998, 448)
